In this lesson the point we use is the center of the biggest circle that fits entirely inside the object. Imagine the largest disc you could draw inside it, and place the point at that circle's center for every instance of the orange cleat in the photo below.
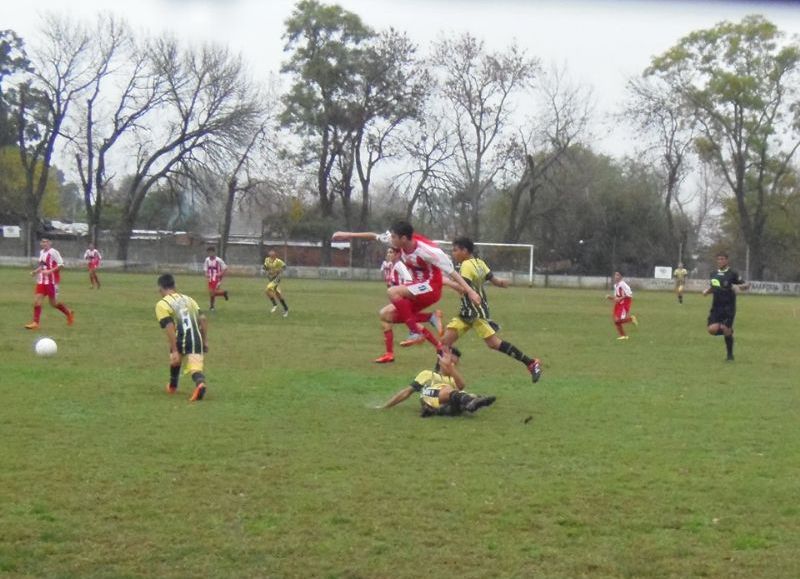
(198, 393)
(535, 368)
(32, 326)
(385, 359)
(436, 320)
(70, 318)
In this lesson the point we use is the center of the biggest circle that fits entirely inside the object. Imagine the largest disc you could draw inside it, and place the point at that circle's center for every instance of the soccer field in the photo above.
(646, 458)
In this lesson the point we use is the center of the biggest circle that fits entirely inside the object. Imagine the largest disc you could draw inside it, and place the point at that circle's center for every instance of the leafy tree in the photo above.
(13, 60)
(739, 83)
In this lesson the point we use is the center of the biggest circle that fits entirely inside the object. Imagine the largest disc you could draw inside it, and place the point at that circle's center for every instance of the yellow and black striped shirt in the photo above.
(183, 311)
(476, 273)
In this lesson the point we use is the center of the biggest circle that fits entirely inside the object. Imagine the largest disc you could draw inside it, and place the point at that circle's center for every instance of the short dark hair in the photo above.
(402, 229)
(166, 281)
(722, 254)
(211, 248)
(464, 242)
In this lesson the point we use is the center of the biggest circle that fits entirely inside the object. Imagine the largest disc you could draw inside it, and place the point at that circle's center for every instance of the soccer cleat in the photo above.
(211, 309)
(635, 321)
(274, 309)
(535, 368)
(385, 359)
(285, 313)
(622, 337)
(412, 340)
(171, 389)
(70, 317)
(729, 358)
(436, 322)
(198, 393)
(479, 402)
(225, 295)
(32, 326)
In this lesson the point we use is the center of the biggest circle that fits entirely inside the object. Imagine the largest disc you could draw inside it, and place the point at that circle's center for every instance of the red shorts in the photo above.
(93, 266)
(424, 295)
(622, 311)
(46, 289)
(213, 285)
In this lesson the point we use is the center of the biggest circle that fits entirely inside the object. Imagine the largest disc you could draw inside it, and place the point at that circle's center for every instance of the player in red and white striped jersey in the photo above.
(214, 269)
(48, 276)
(622, 298)
(425, 262)
(93, 258)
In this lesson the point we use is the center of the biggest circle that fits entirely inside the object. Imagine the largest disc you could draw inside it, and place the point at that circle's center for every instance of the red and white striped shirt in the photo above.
(426, 262)
(395, 273)
(49, 259)
(623, 293)
(93, 257)
(214, 268)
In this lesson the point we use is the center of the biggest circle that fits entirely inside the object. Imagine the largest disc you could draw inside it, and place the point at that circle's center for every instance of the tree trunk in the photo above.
(228, 218)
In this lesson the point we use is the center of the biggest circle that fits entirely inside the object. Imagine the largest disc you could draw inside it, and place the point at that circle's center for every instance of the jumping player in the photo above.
(187, 335)
(214, 268)
(622, 298)
(476, 273)
(426, 263)
(441, 390)
(48, 275)
(725, 284)
(93, 258)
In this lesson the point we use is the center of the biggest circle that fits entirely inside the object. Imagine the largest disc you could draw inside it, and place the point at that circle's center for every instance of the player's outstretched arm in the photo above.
(467, 289)
(346, 235)
(499, 282)
(399, 397)
(453, 285)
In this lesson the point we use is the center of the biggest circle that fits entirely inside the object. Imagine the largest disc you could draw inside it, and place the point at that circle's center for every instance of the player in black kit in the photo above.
(725, 284)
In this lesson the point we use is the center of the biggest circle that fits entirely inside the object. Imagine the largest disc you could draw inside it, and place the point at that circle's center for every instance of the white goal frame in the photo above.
(529, 246)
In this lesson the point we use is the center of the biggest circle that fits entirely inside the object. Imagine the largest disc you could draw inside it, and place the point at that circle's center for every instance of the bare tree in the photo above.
(206, 95)
(566, 110)
(61, 72)
(479, 88)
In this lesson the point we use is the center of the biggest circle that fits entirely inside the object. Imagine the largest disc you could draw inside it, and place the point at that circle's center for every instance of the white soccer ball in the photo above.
(46, 347)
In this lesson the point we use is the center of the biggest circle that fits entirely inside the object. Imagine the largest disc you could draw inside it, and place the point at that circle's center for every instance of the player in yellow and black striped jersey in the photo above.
(440, 390)
(476, 273)
(274, 267)
(187, 335)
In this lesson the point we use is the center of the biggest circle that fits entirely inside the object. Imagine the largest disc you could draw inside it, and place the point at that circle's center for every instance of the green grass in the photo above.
(650, 458)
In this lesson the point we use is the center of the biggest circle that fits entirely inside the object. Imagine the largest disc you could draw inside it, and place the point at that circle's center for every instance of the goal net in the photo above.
(514, 260)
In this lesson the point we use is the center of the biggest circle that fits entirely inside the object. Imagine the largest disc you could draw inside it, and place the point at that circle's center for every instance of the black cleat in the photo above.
(479, 402)
(729, 358)
(535, 368)
(225, 295)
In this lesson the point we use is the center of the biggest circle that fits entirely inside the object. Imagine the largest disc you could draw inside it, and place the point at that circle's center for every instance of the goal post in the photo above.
(511, 257)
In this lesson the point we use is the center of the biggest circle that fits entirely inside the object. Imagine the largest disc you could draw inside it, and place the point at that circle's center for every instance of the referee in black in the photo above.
(725, 284)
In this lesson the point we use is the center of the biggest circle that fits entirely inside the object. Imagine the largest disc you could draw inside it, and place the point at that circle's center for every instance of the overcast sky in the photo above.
(602, 43)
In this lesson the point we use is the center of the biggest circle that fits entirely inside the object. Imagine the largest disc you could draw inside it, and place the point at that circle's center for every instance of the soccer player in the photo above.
(426, 263)
(93, 258)
(680, 274)
(471, 316)
(441, 390)
(48, 275)
(396, 273)
(725, 284)
(187, 335)
(214, 268)
(622, 298)
(274, 267)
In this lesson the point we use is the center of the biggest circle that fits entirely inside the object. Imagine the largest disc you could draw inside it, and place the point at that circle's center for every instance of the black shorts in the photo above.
(722, 315)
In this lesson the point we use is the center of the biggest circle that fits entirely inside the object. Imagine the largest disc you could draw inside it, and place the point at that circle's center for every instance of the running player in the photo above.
(441, 390)
(476, 273)
(48, 275)
(425, 262)
(725, 284)
(214, 268)
(93, 258)
(187, 335)
(680, 274)
(622, 298)
(274, 267)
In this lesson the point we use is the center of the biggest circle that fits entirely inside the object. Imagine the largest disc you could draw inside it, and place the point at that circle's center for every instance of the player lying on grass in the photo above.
(441, 390)
(427, 265)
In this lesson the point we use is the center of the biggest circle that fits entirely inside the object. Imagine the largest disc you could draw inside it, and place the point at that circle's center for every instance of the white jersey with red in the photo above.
(49, 259)
(398, 274)
(624, 297)
(426, 262)
(93, 257)
(214, 268)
